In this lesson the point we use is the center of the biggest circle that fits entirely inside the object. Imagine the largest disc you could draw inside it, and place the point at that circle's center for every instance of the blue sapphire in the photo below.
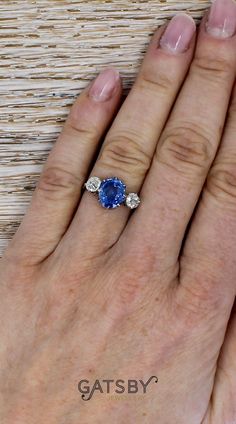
(112, 193)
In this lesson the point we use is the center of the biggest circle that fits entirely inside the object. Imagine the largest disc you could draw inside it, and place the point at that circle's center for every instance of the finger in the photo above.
(211, 243)
(208, 268)
(189, 142)
(131, 141)
(59, 188)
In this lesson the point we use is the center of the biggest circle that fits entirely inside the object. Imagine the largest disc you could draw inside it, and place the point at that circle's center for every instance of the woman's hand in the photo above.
(94, 294)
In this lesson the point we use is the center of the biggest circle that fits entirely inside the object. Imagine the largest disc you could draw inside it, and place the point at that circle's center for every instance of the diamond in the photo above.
(112, 193)
(93, 184)
(132, 201)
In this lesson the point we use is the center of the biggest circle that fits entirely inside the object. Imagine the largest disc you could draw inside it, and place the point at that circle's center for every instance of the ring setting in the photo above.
(112, 193)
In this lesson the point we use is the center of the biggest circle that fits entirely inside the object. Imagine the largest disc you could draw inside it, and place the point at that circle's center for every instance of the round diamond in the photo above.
(112, 193)
(132, 201)
(93, 184)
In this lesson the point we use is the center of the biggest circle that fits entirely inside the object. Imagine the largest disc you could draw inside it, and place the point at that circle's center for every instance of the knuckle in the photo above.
(196, 302)
(79, 130)
(57, 181)
(211, 68)
(221, 182)
(201, 292)
(128, 292)
(153, 81)
(135, 276)
(124, 152)
(185, 149)
(79, 125)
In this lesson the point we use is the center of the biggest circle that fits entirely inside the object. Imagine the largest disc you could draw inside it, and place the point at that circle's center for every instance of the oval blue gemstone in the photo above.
(112, 193)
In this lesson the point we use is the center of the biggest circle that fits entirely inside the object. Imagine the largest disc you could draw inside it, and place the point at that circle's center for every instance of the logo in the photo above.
(110, 386)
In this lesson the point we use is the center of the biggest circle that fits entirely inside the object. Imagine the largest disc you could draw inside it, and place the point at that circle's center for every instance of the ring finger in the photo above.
(129, 146)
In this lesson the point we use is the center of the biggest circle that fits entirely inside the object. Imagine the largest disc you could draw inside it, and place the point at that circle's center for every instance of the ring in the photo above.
(112, 193)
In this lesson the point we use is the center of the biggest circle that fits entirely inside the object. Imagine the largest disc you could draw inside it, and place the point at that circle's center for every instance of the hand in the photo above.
(94, 294)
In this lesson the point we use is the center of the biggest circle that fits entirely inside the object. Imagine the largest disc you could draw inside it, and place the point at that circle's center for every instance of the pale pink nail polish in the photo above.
(222, 19)
(104, 85)
(178, 34)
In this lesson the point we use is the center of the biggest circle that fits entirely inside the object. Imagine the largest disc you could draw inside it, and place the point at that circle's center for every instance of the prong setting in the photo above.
(112, 193)
(132, 200)
(93, 184)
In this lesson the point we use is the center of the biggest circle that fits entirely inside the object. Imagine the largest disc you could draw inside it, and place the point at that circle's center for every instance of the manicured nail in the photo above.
(222, 19)
(104, 85)
(179, 33)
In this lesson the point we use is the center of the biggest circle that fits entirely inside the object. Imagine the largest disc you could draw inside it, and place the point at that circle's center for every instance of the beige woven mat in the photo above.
(49, 50)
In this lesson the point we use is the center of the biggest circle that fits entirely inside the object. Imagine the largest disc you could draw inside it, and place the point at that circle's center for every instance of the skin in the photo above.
(142, 294)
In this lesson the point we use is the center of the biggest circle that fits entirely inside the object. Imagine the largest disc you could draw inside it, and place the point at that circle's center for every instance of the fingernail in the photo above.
(222, 19)
(104, 85)
(179, 33)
